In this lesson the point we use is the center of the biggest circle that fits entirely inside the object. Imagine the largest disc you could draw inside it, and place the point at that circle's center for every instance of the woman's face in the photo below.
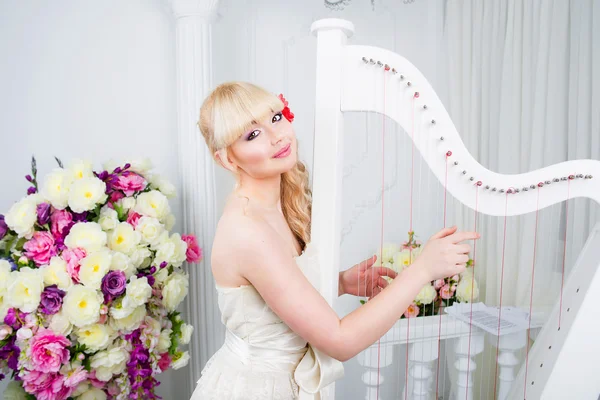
(267, 149)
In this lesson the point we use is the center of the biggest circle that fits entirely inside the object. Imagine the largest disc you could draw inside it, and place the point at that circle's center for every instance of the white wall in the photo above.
(92, 79)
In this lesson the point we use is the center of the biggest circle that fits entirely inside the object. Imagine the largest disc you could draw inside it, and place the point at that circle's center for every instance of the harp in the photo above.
(353, 78)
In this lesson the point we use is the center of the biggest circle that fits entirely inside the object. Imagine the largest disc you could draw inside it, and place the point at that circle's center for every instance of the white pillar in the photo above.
(373, 363)
(193, 53)
(466, 348)
(508, 346)
(421, 356)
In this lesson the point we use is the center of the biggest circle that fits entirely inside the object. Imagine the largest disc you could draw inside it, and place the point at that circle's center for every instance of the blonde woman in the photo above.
(283, 340)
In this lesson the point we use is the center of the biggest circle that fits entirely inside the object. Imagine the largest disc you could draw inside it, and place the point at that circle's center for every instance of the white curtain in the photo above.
(523, 90)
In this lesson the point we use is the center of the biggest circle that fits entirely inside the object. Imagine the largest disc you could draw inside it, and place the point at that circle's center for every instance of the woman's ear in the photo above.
(223, 158)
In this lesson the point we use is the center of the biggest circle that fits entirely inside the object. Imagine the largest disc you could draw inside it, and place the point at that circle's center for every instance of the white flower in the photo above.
(24, 333)
(467, 287)
(5, 268)
(169, 222)
(82, 305)
(180, 360)
(94, 267)
(124, 238)
(108, 218)
(161, 275)
(137, 293)
(164, 340)
(78, 169)
(388, 250)
(14, 391)
(163, 184)
(141, 257)
(4, 306)
(152, 204)
(85, 193)
(56, 273)
(109, 362)
(24, 289)
(172, 250)
(80, 389)
(126, 203)
(96, 337)
(175, 290)
(5, 330)
(121, 262)
(150, 229)
(186, 333)
(130, 322)
(401, 259)
(22, 217)
(92, 393)
(117, 311)
(60, 324)
(86, 235)
(426, 295)
(56, 188)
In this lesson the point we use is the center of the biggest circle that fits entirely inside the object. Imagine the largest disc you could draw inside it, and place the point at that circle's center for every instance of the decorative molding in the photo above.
(201, 9)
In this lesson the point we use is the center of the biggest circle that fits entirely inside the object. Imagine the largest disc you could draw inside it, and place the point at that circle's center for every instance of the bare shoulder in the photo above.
(241, 235)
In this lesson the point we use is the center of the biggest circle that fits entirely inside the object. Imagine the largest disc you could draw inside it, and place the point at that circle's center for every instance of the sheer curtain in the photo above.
(522, 87)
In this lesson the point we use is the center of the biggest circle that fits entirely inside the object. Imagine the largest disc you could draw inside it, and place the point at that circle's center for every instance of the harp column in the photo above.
(193, 52)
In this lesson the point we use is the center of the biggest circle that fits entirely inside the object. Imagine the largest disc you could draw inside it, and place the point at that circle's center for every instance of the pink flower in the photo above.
(115, 196)
(164, 362)
(130, 182)
(438, 284)
(40, 248)
(95, 381)
(412, 311)
(48, 351)
(75, 377)
(194, 252)
(133, 218)
(72, 257)
(446, 292)
(60, 223)
(45, 386)
(455, 278)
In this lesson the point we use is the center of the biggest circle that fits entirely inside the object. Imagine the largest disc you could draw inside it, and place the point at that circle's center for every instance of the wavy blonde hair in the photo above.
(226, 114)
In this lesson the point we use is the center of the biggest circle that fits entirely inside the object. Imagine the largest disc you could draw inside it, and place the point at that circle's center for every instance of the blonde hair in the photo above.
(226, 114)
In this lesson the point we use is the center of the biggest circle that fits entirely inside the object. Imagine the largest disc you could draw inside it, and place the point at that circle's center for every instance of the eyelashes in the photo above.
(254, 134)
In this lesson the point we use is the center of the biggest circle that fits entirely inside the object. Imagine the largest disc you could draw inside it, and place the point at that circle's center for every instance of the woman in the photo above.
(283, 340)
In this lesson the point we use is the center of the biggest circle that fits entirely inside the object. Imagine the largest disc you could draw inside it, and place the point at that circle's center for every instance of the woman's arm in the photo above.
(262, 261)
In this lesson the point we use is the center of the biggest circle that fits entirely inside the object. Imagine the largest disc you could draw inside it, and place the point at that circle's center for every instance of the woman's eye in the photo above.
(253, 135)
(277, 117)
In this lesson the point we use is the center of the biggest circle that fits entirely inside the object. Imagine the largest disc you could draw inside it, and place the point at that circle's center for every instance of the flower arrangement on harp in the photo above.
(90, 278)
(461, 288)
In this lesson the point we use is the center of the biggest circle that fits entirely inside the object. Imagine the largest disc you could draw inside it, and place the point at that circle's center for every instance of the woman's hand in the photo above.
(363, 279)
(444, 255)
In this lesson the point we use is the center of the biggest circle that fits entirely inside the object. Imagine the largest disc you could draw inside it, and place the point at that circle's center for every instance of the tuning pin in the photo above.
(441, 138)
(433, 121)
(394, 71)
(464, 172)
(455, 162)
(547, 182)
(532, 186)
(479, 183)
(401, 77)
(556, 180)
(424, 106)
(487, 186)
(571, 177)
(493, 189)
(448, 154)
(365, 60)
(408, 83)
(525, 189)
(386, 67)
(371, 61)
(541, 184)
(471, 179)
(501, 190)
(580, 175)
(564, 178)
(517, 190)
(379, 64)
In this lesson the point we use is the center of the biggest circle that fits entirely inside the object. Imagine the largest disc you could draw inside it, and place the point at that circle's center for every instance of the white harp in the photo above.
(346, 83)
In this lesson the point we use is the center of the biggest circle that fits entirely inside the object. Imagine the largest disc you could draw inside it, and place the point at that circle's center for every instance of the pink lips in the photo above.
(283, 152)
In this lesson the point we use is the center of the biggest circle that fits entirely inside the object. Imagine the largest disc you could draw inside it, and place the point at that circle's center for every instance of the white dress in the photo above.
(262, 358)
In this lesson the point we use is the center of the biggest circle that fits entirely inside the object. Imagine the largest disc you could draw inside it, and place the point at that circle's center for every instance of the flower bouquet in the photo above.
(90, 278)
(461, 288)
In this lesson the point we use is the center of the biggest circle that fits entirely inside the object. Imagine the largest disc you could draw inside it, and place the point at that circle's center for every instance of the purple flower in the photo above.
(31, 190)
(10, 353)
(113, 284)
(51, 301)
(14, 318)
(80, 217)
(43, 213)
(3, 227)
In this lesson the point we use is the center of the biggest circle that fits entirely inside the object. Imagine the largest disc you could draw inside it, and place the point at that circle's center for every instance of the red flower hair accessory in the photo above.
(286, 110)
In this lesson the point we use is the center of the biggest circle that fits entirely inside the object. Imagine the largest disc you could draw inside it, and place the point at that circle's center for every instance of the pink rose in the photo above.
(194, 252)
(130, 182)
(133, 218)
(45, 386)
(41, 248)
(164, 362)
(75, 377)
(446, 292)
(97, 383)
(115, 196)
(72, 257)
(412, 311)
(438, 284)
(48, 351)
(60, 223)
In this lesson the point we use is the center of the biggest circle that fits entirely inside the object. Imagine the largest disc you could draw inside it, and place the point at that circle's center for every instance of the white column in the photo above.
(508, 346)
(421, 356)
(193, 53)
(373, 363)
(466, 348)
